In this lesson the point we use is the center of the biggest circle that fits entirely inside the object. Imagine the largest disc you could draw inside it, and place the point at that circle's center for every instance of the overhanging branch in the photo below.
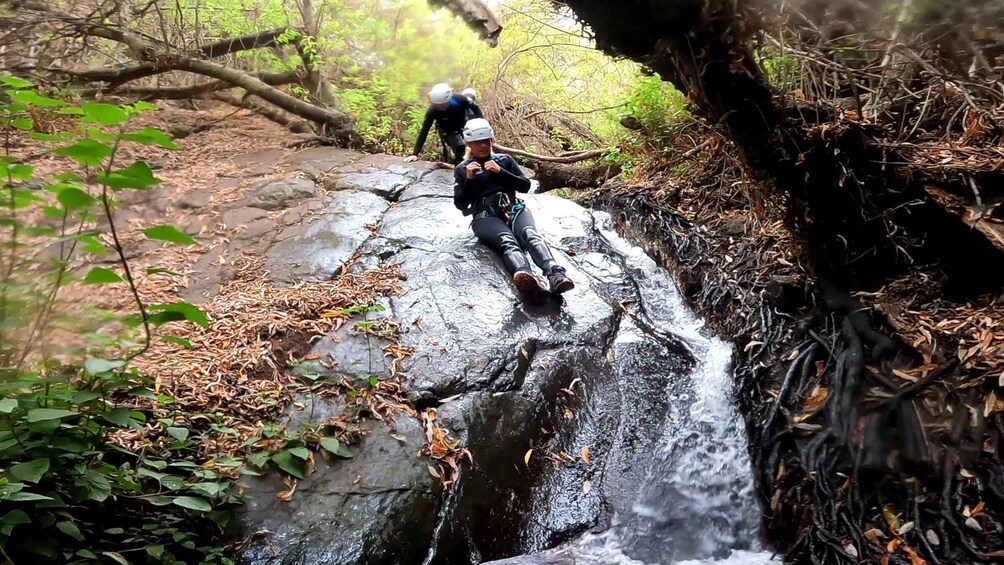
(477, 16)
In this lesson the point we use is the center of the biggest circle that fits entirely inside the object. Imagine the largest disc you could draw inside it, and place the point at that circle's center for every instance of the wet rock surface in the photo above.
(278, 194)
(584, 383)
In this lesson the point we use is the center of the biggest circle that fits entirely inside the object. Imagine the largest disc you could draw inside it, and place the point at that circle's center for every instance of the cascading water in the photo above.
(696, 504)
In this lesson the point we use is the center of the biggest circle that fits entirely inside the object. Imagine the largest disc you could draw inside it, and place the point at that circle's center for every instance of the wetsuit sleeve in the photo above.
(424, 133)
(460, 198)
(475, 109)
(511, 176)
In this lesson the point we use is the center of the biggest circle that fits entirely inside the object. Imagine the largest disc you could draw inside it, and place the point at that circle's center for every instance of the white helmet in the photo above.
(441, 93)
(477, 130)
(470, 93)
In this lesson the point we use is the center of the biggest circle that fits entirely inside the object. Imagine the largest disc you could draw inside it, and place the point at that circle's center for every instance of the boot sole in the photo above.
(528, 286)
(564, 286)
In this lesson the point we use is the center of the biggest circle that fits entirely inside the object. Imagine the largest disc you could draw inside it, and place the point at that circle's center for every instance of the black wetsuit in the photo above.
(450, 123)
(500, 220)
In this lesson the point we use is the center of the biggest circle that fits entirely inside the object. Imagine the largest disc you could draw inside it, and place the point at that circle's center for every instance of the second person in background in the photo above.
(450, 112)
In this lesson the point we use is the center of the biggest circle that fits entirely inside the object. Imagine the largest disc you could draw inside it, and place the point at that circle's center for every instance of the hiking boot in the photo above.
(560, 282)
(529, 287)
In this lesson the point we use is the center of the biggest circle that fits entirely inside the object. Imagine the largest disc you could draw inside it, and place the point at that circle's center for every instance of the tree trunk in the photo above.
(195, 90)
(242, 43)
(552, 176)
(320, 89)
(335, 124)
(263, 110)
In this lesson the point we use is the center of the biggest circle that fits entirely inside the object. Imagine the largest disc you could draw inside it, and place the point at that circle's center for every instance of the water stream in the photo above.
(697, 504)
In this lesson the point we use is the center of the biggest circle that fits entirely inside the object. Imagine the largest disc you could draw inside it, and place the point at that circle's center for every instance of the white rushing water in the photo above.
(697, 505)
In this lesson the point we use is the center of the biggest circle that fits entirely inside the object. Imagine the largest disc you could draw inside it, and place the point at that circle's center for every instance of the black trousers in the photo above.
(453, 141)
(489, 229)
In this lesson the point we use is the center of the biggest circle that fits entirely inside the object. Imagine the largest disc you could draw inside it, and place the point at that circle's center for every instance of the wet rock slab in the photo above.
(378, 507)
(320, 245)
(384, 175)
(582, 371)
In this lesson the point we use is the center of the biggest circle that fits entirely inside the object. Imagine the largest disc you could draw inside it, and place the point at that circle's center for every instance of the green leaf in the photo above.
(171, 234)
(8, 405)
(210, 490)
(96, 485)
(259, 459)
(15, 517)
(294, 466)
(155, 551)
(143, 392)
(26, 497)
(300, 452)
(70, 529)
(374, 381)
(85, 396)
(119, 417)
(15, 82)
(87, 152)
(104, 114)
(23, 124)
(30, 472)
(20, 172)
(138, 176)
(99, 275)
(193, 503)
(45, 414)
(185, 310)
(159, 500)
(335, 447)
(96, 366)
(116, 557)
(31, 98)
(91, 245)
(142, 106)
(57, 138)
(74, 198)
(178, 341)
(150, 136)
(180, 434)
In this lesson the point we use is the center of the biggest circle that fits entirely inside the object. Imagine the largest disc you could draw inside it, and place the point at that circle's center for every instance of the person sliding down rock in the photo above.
(485, 185)
(449, 112)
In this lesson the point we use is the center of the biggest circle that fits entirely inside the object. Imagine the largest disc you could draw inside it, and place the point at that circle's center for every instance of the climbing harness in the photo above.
(500, 206)
(510, 209)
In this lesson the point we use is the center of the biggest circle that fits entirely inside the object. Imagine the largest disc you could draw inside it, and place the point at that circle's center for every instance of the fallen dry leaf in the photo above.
(932, 538)
(587, 486)
(287, 494)
(526, 458)
(914, 558)
(585, 454)
(874, 535)
(816, 400)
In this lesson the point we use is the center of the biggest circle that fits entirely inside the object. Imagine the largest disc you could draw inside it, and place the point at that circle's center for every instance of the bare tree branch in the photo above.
(243, 43)
(572, 158)
(195, 90)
